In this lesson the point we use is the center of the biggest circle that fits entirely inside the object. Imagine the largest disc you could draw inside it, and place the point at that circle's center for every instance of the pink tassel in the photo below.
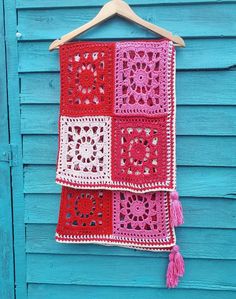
(176, 210)
(175, 268)
(172, 278)
(179, 264)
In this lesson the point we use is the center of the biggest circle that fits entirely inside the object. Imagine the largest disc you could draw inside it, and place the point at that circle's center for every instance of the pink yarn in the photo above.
(175, 268)
(172, 278)
(179, 264)
(176, 210)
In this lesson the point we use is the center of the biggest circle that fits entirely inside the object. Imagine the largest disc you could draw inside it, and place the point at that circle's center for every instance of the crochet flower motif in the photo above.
(85, 211)
(139, 214)
(86, 78)
(85, 205)
(142, 86)
(141, 78)
(85, 148)
(138, 151)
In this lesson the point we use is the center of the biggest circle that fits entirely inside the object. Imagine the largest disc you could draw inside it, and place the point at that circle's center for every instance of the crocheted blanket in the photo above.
(116, 155)
(117, 116)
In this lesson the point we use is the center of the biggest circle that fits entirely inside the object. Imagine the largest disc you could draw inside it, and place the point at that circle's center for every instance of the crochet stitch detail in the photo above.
(85, 149)
(140, 150)
(141, 78)
(85, 212)
(140, 215)
(87, 81)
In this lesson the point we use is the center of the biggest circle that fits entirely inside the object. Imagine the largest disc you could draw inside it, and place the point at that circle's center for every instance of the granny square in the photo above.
(87, 85)
(85, 212)
(116, 218)
(140, 152)
(84, 154)
(117, 116)
(140, 215)
(142, 78)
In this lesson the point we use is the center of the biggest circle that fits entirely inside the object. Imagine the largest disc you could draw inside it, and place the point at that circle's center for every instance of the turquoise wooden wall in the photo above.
(206, 145)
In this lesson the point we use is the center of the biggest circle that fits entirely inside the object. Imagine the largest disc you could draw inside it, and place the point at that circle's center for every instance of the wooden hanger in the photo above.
(121, 8)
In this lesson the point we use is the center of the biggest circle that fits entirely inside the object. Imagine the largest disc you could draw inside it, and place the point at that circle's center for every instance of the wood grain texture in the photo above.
(7, 280)
(56, 291)
(20, 288)
(97, 3)
(196, 21)
(126, 271)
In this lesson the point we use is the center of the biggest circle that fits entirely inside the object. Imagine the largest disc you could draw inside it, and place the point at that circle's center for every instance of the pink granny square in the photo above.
(140, 215)
(142, 78)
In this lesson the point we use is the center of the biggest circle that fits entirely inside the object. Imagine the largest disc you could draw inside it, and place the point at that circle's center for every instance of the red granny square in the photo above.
(85, 212)
(141, 152)
(87, 81)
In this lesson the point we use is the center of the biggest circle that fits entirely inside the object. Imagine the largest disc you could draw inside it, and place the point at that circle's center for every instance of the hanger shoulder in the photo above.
(154, 28)
(125, 11)
(110, 9)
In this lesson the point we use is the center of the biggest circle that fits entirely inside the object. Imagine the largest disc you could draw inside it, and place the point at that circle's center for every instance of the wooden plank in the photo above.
(15, 139)
(191, 150)
(39, 291)
(214, 53)
(193, 88)
(196, 21)
(123, 271)
(191, 120)
(7, 279)
(192, 241)
(191, 181)
(198, 212)
(97, 3)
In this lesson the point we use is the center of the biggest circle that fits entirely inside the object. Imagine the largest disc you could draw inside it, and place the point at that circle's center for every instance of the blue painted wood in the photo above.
(196, 20)
(206, 159)
(127, 271)
(98, 3)
(15, 140)
(38, 291)
(6, 233)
